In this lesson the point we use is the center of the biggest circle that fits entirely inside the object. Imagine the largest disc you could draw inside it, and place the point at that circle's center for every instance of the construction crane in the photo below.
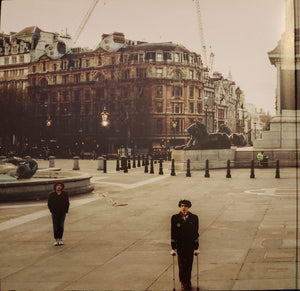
(202, 39)
(85, 20)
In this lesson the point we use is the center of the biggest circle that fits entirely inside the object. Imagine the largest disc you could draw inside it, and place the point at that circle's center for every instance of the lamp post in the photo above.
(105, 124)
(206, 108)
(174, 125)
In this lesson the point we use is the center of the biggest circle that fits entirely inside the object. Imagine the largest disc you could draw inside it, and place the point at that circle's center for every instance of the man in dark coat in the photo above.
(58, 204)
(184, 241)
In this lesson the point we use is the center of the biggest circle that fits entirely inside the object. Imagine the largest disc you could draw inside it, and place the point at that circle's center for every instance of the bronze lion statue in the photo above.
(237, 139)
(200, 139)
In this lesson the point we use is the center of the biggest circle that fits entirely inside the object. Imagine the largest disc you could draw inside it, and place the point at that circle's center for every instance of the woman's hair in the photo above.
(187, 203)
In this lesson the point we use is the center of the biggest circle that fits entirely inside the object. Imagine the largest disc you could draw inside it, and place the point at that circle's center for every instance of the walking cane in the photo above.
(197, 255)
(173, 255)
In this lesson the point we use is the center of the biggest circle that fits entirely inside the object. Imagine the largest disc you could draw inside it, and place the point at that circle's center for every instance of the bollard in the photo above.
(252, 175)
(139, 161)
(100, 163)
(118, 165)
(207, 169)
(123, 163)
(76, 163)
(104, 165)
(125, 166)
(151, 167)
(161, 167)
(143, 160)
(128, 163)
(133, 162)
(277, 176)
(228, 175)
(188, 168)
(146, 167)
(173, 168)
(51, 162)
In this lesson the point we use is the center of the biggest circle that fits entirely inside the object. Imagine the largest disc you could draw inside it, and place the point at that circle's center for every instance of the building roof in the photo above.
(156, 46)
(28, 30)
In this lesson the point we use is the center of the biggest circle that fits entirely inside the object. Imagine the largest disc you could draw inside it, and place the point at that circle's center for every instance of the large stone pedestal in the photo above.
(217, 158)
(284, 132)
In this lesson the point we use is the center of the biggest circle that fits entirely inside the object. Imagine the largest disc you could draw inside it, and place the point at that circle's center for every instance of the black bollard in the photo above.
(228, 175)
(151, 167)
(118, 165)
(252, 175)
(125, 167)
(128, 163)
(104, 165)
(277, 176)
(139, 161)
(207, 169)
(143, 160)
(173, 168)
(188, 168)
(146, 167)
(161, 167)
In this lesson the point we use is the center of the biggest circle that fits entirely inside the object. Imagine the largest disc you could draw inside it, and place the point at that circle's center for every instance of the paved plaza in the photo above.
(118, 236)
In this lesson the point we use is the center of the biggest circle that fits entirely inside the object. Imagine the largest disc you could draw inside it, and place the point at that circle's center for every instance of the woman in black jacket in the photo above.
(58, 204)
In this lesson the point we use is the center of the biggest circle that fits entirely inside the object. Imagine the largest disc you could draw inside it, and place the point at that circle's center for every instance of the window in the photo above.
(176, 58)
(87, 108)
(87, 77)
(77, 78)
(54, 67)
(6, 61)
(177, 91)
(141, 73)
(159, 57)
(191, 92)
(21, 59)
(34, 69)
(87, 95)
(44, 66)
(87, 63)
(159, 126)
(127, 74)
(221, 114)
(159, 91)
(141, 57)
(65, 79)
(177, 107)
(159, 72)
(159, 107)
(54, 79)
(14, 59)
(65, 96)
(191, 74)
(99, 61)
(199, 107)
(191, 107)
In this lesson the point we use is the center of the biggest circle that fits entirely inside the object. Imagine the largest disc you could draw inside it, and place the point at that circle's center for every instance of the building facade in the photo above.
(151, 92)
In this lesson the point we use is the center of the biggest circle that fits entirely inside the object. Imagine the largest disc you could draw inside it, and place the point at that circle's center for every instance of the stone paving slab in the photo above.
(118, 237)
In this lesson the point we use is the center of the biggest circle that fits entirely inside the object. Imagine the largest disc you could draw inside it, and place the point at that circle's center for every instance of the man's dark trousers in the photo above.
(185, 264)
(58, 225)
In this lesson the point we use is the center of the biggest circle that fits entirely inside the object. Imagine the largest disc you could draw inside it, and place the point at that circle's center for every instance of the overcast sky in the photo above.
(240, 33)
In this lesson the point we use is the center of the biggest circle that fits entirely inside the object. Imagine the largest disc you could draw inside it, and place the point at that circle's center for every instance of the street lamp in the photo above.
(104, 116)
(206, 108)
(174, 125)
(105, 124)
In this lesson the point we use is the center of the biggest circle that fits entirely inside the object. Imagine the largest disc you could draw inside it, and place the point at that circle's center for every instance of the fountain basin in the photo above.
(41, 184)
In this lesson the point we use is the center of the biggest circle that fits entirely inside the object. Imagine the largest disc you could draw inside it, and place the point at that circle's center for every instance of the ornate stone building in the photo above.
(152, 92)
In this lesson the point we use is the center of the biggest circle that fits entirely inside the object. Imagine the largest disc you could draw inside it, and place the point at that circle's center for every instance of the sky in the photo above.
(240, 33)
